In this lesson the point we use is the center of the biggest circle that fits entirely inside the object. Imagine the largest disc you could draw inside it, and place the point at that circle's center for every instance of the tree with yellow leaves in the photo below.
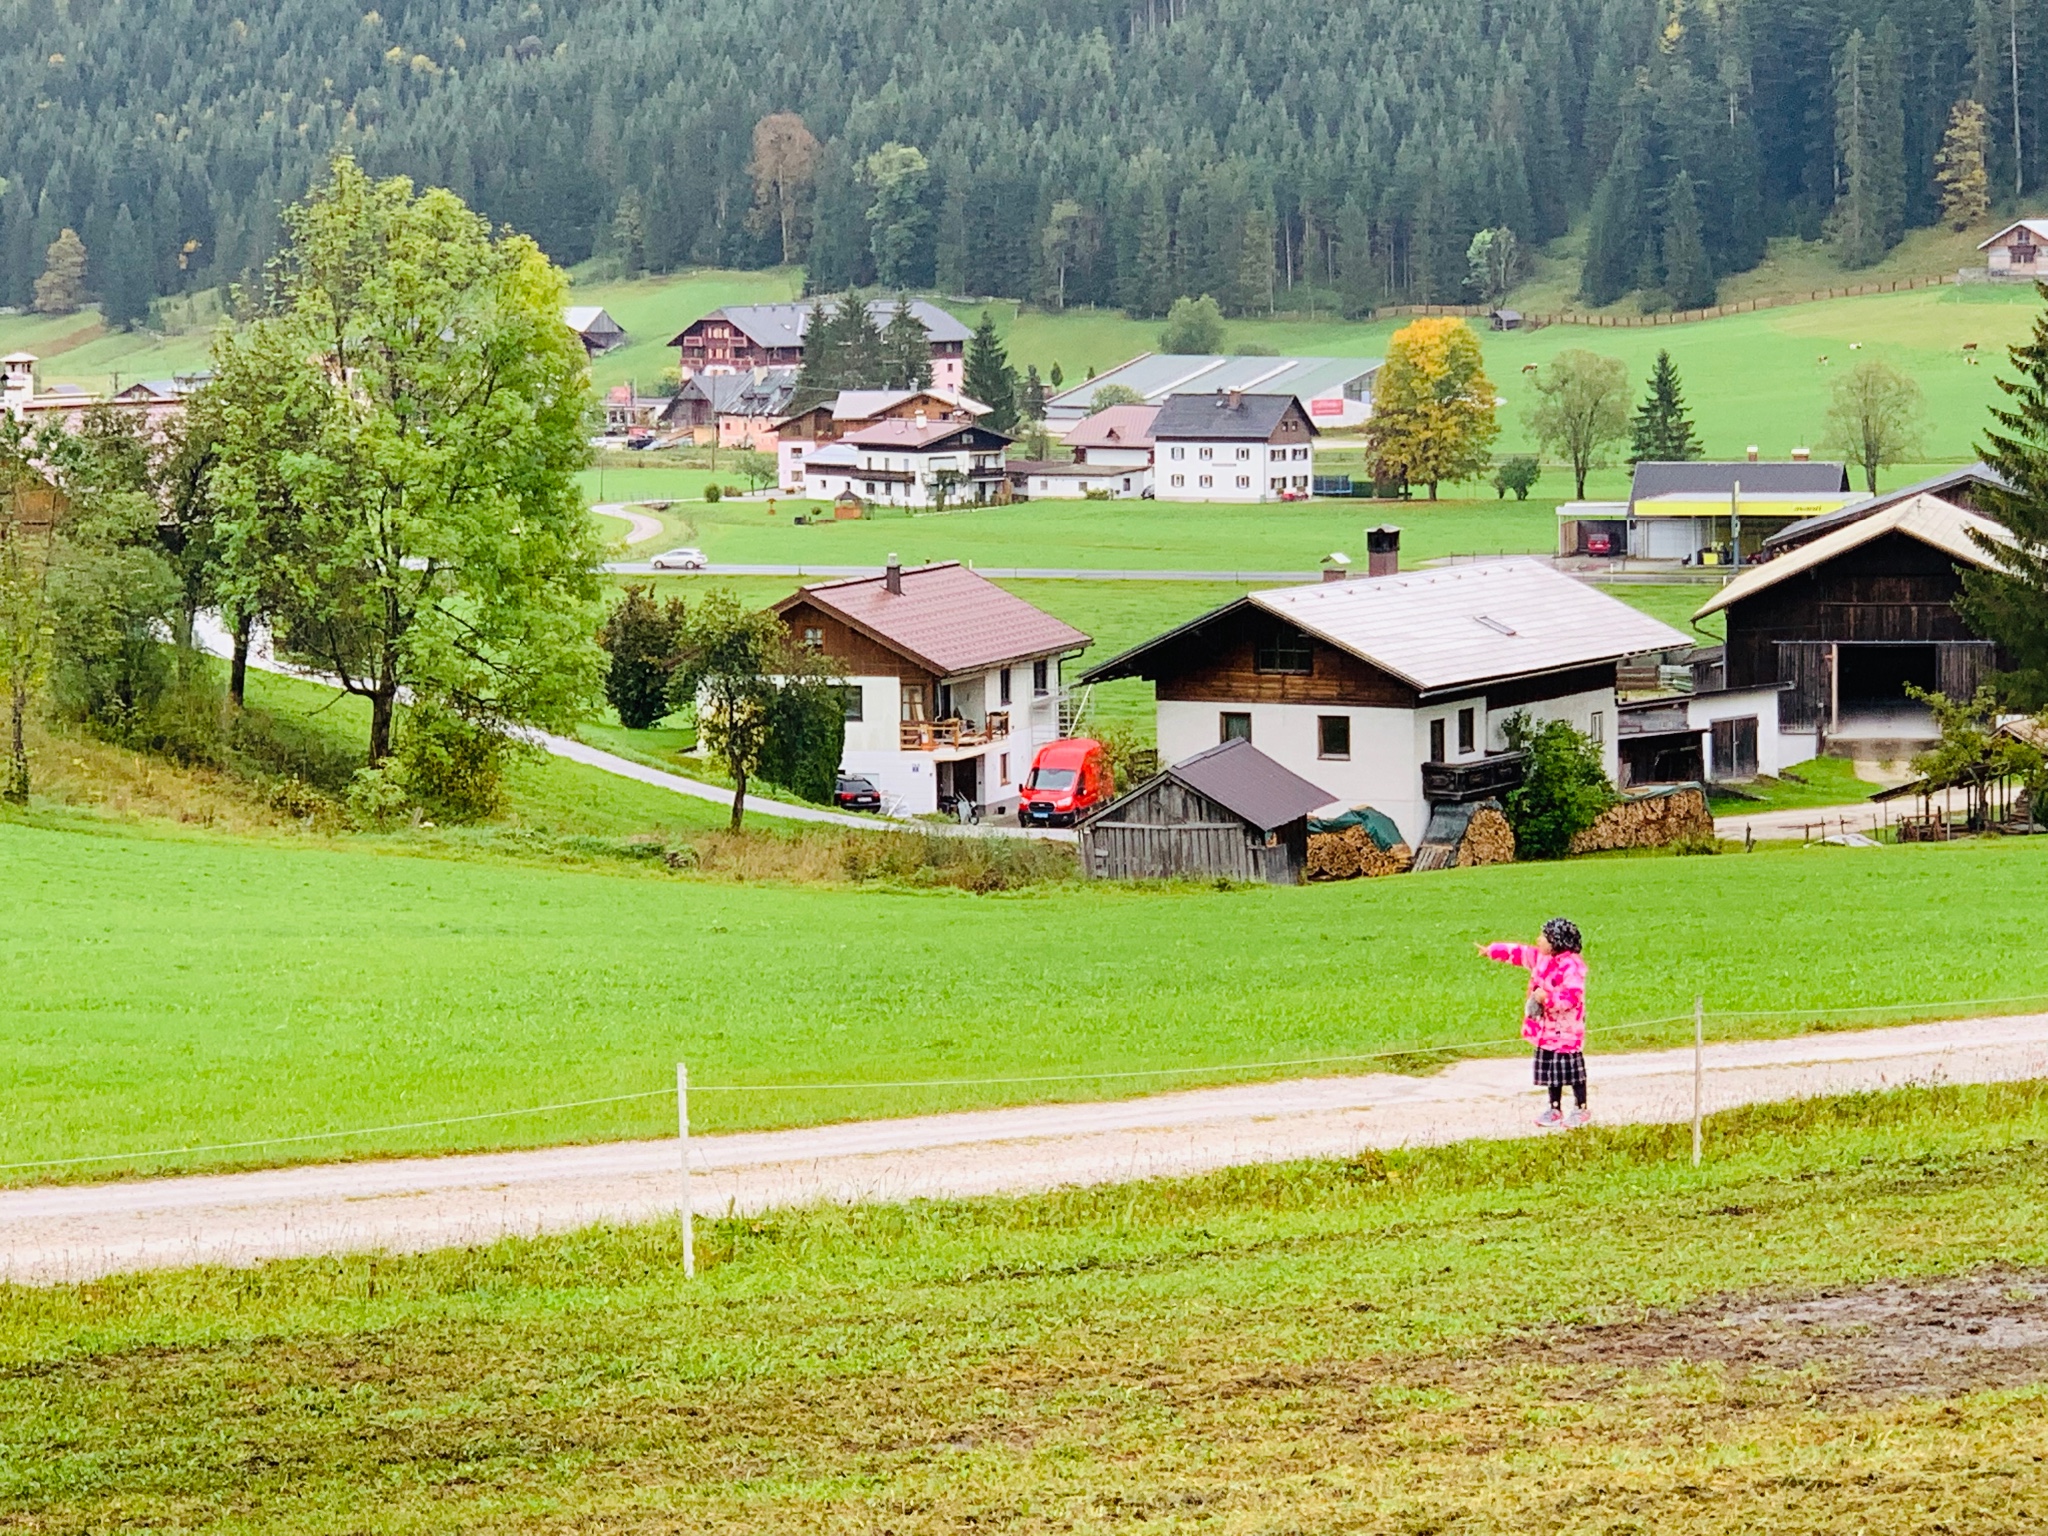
(1959, 167)
(1432, 407)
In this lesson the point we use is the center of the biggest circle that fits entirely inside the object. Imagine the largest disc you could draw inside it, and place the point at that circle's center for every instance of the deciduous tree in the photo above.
(899, 224)
(1959, 166)
(1494, 260)
(1433, 407)
(1581, 406)
(1194, 327)
(1874, 417)
(61, 288)
(29, 514)
(398, 441)
(644, 641)
(784, 167)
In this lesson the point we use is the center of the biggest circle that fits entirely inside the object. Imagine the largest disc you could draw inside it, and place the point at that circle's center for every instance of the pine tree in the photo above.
(1254, 285)
(1872, 187)
(989, 377)
(17, 248)
(1688, 277)
(1959, 167)
(822, 373)
(125, 280)
(1661, 431)
(1615, 235)
(1150, 288)
(908, 348)
(1888, 133)
(61, 288)
(1359, 287)
(863, 355)
(2010, 604)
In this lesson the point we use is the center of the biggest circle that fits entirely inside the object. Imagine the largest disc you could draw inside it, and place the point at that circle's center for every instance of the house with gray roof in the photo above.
(1233, 446)
(742, 336)
(1695, 511)
(596, 329)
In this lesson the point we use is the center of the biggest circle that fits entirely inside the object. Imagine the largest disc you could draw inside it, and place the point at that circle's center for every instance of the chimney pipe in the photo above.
(892, 574)
(1383, 550)
(1237, 399)
(1801, 455)
(919, 417)
(1752, 453)
(1336, 566)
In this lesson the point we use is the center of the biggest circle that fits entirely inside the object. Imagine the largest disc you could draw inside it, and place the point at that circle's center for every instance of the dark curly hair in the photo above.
(1563, 936)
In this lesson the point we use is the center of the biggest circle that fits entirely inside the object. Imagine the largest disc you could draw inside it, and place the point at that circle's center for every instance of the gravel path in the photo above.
(1807, 825)
(639, 526)
(74, 1233)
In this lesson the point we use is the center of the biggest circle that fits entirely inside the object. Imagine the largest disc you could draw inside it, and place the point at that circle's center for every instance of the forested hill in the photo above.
(1100, 151)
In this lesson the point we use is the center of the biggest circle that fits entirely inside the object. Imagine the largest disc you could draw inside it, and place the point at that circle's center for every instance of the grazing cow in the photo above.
(1969, 346)
(1528, 367)
(1855, 346)
(1823, 359)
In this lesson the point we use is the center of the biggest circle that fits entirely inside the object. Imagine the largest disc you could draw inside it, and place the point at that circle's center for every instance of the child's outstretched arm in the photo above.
(1507, 953)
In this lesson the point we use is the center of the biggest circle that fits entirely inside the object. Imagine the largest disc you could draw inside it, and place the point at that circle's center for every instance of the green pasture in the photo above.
(654, 309)
(165, 991)
(1577, 1335)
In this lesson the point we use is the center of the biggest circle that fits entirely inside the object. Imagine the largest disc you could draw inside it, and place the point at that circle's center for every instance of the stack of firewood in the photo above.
(1488, 839)
(1351, 853)
(1648, 821)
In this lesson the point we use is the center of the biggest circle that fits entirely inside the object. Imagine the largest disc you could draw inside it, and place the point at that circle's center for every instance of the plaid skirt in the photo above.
(1560, 1069)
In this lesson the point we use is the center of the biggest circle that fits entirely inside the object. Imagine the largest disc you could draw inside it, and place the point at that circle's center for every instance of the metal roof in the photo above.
(946, 619)
(1114, 426)
(1247, 783)
(1157, 375)
(2032, 226)
(1709, 477)
(1929, 519)
(1935, 485)
(584, 317)
(1454, 626)
(783, 325)
(897, 432)
(1225, 417)
(755, 392)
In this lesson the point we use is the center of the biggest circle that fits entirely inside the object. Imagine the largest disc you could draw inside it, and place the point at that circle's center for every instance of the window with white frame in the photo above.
(1177, 479)
(1244, 453)
(1244, 482)
(1176, 453)
(1301, 453)
(1205, 481)
(1205, 453)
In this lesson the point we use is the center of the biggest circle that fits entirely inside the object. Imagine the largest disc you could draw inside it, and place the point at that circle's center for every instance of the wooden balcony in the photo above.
(1481, 778)
(953, 733)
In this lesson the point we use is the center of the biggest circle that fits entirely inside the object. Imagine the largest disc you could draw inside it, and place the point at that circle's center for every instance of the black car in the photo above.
(856, 794)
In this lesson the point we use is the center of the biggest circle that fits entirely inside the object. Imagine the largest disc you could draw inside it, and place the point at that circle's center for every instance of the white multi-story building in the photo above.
(952, 684)
(914, 463)
(799, 437)
(1233, 446)
(1393, 691)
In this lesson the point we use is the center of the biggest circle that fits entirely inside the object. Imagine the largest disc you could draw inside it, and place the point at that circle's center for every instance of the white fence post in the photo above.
(683, 1135)
(1699, 1046)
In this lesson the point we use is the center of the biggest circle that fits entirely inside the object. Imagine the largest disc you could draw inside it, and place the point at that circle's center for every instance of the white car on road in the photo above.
(680, 560)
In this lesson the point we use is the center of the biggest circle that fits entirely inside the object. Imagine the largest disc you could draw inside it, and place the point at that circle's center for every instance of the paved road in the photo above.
(639, 526)
(74, 1233)
(993, 572)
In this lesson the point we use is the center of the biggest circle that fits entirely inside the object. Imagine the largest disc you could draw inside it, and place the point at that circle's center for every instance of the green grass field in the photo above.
(167, 990)
(1575, 1335)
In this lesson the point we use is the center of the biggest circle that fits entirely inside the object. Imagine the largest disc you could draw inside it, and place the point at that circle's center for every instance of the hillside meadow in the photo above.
(170, 990)
(1833, 1327)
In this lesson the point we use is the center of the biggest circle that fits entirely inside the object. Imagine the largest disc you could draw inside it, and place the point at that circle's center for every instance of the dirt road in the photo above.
(75, 1233)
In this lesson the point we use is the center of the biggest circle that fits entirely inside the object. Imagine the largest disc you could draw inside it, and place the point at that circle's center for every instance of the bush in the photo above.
(1563, 791)
(110, 664)
(451, 768)
(1518, 474)
(376, 799)
(806, 738)
(1193, 326)
(712, 492)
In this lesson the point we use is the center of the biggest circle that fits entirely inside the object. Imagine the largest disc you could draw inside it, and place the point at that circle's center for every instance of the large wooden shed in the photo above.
(1230, 811)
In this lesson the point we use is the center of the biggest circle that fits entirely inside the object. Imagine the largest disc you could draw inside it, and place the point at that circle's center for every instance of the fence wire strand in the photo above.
(1121, 1075)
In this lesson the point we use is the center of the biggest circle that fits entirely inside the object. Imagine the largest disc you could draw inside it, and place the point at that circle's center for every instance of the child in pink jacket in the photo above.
(1554, 1015)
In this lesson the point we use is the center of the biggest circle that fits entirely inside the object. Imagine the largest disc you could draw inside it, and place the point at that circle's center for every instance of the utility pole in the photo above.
(1735, 525)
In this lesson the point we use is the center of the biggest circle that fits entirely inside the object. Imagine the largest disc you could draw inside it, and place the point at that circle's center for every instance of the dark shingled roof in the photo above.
(1706, 477)
(1247, 783)
(1958, 485)
(1224, 418)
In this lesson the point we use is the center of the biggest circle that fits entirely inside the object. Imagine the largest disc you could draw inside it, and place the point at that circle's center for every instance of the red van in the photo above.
(1068, 778)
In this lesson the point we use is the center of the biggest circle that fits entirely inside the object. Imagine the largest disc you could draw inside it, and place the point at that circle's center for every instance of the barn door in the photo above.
(1735, 754)
(1961, 665)
(1808, 665)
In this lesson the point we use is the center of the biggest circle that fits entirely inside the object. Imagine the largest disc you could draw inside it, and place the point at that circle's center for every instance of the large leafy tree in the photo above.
(1581, 406)
(1433, 407)
(1875, 414)
(30, 513)
(1661, 430)
(2009, 603)
(398, 435)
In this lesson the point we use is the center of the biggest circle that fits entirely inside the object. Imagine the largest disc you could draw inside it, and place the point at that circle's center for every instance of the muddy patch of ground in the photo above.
(1892, 1338)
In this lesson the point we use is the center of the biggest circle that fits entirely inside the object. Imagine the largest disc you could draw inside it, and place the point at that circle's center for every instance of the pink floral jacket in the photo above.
(1557, 988)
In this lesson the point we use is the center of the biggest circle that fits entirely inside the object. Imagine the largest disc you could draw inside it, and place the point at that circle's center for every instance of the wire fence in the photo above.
(1249, 1070)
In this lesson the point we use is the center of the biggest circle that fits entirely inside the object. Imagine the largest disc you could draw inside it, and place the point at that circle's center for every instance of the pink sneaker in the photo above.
(1550, 1119)
(1580, 1116)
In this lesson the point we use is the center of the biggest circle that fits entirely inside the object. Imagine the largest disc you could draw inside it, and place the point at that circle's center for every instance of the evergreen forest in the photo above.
(1108, 152)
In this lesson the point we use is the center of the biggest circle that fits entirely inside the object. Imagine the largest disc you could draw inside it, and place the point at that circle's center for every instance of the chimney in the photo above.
(1336, 566)
(892, 574)
(919, 417)
(1383, 550)
(1237, 399)
(1752, 453)
(1801, 455)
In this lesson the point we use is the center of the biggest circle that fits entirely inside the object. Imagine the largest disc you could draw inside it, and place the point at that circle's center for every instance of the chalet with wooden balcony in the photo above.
(952, 684)
(1394, 690)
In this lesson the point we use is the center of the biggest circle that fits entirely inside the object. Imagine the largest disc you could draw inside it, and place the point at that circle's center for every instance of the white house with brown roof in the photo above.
(1112, 456)
(2015, 250)
(1233, 446)
(916, 462)
(1394, 691)
(798, 436)
(953, 684)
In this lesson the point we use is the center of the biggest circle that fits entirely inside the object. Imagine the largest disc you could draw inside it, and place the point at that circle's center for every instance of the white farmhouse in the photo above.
(1392, 691)
(1112, 456)
(952, 683)
(919, 462)
(1232, 446)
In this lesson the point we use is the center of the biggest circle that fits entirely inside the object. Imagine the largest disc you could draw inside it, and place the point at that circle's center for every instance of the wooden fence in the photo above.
(1532, 321)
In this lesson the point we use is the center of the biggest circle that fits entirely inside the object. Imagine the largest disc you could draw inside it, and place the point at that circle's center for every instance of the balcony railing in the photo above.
(1481, 778)
(936, 735)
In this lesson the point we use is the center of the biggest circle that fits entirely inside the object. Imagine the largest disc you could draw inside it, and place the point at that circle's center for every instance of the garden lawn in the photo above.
(1569, 1335)
(1817, 782)
(165, 991)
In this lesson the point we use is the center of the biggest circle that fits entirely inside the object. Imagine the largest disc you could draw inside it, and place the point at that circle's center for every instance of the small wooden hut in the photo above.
(1230, 811)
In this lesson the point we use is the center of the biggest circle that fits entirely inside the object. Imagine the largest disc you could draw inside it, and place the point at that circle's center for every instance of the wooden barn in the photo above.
(1230, 811)
(1848, 620)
